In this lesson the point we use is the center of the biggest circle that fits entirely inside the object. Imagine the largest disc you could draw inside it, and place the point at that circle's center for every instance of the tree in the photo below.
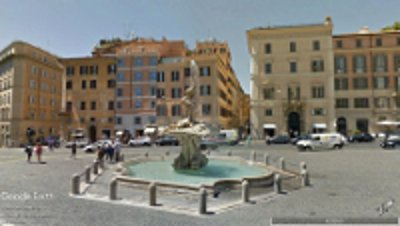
(394, 27)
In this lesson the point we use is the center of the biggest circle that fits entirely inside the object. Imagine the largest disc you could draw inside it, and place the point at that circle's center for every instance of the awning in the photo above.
(388, 123)
(149, 130)
(319, 125)
(119, 133)
(269, 126)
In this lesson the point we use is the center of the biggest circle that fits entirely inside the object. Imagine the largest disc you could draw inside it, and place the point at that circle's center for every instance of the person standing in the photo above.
(117, 150)
(73, 150)
(39, 150)
(28, 151)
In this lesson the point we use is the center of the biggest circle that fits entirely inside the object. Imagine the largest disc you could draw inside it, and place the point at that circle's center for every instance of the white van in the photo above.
(322, 141)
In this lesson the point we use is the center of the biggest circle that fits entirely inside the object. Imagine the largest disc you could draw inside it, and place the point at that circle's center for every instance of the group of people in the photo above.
(109, 151)
(38, 149)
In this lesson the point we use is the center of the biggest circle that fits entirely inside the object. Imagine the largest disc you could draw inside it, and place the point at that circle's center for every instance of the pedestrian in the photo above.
(28, 151)
(73, 150)
(100, 153)
(39, 151)
(117, 150)
(110, 151)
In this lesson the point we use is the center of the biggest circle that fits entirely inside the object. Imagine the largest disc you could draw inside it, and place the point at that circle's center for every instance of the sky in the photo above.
(71, 28)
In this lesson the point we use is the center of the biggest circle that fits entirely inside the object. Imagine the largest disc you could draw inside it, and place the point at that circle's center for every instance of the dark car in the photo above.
(167, 140)
(362, 137)
(280, 139)
(390, 143)
(301, 137)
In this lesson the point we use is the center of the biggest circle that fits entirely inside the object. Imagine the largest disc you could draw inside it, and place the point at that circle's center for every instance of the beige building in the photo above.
(291, 79)
(30, 93)
(89, 95)
(367, 80)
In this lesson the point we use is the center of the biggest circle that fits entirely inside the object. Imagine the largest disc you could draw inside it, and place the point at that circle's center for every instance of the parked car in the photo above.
(140, 141)
(294, 140)
(79, 143)
(391, 142)
(322, 141)
(167, 140)
(91, 148)
(280, 139)
(362, 137)
(210, 143)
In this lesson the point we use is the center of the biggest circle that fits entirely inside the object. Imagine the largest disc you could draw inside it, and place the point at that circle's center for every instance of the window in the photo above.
(32, 84)
(361, 103)
(267, 48)
(110, 105)
(268, 112)
(83, 84)
(340, 64)
(205, 90)
(175, 76)
(161, 110)
(293, 92)
(31, 99)
(206, 109)
(93, 69)
(176, 110)
(268, 68)
(378, 42)
(83, 70)
(119, 92)
(153, 76)
(359, 64)
(152, 104)
(111, 83)
(70, 70)
(93, 105)
(34, 70)
(382, 102)
(138, 91)
(204, 71)
(138, 61)
(341, 84)
(69, 106)
(153, 61)
(186, 71)
(339, 44)
(269, 93)
(176, 92)
(138, 104)
(138, 76)
(160, 76)
(44, 73)
(358, 43)
(153, 91)
(119, 120)
(381, 82)
(69, 84)
(316, 45)
(342, 103)
(397, 63)
(111, 69)
(152, 119)
(120, 77)
(317, 65)
(119, 105)
(138, 120)
(380, 63)
(318, 92)
(120, 62)
(360, 83)
(292, 47)
(318, 111)
(293, 67)
(160, 93)
(83, 105)
(93, 84)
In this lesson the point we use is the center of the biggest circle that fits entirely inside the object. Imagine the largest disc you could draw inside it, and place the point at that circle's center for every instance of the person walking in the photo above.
(39, 151)
(73, 150)
(28, 151)
(117, 150)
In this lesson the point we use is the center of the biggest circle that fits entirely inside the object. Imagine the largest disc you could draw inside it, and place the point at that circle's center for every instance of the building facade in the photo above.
(367, 80)
(89, 95)
(291, 79)
(30, 93)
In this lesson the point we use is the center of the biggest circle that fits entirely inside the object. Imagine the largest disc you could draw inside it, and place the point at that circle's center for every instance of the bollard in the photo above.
(229, 153)
(153, 194)
(277, 183)
(253, 156)
(76, 184)
(303, 166)
(245, 191)
(282, 163)
(203, 201)
(87, 174)
(96, 167)
(266, 159)
(305, 178)
(113, 189)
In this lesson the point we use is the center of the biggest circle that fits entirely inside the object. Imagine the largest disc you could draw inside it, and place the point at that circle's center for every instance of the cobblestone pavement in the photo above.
(352, 182)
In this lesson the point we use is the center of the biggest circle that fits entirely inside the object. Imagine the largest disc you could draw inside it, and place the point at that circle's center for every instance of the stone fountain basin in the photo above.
(219, 172)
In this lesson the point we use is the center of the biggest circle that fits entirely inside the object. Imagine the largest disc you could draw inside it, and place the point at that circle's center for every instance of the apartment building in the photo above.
(89, 95)
(30, 93)
(367, 79)
(291, 72)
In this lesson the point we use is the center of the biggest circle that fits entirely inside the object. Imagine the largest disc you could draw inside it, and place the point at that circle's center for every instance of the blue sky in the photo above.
(71, 28)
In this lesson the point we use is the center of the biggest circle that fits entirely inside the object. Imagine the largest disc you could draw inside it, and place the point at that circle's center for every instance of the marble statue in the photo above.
(187, 131)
